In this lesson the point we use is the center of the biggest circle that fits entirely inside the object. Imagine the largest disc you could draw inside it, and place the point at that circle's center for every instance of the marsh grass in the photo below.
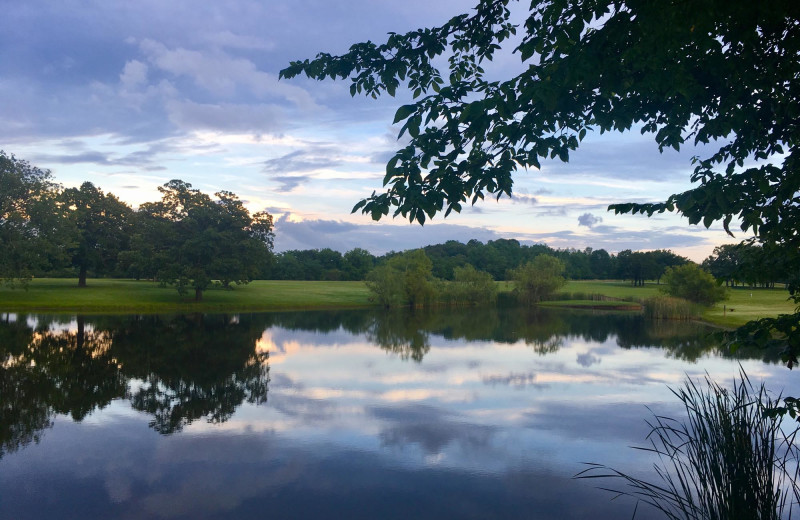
(727, 460)
(669, 308)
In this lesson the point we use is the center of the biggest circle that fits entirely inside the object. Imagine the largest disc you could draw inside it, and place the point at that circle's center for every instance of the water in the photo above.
(462, 414)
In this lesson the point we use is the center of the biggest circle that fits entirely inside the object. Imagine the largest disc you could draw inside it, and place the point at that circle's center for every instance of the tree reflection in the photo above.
(47, 372)
(177, 368)
(192, 367)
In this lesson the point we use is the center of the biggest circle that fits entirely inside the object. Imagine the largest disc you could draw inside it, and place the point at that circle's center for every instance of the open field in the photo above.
(744, 304)
(107, 295)
(120, 296)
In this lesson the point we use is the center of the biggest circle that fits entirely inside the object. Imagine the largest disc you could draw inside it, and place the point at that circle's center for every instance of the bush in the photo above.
(404, 280)
(471, 286)
(538, 279)
(692, 283)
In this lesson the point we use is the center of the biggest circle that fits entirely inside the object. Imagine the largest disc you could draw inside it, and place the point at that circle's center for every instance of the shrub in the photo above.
(538, 279)
(692, 283)
(404, 280)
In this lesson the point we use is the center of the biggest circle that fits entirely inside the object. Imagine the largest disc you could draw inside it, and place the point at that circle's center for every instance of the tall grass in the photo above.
(728, 459)
(669, 308)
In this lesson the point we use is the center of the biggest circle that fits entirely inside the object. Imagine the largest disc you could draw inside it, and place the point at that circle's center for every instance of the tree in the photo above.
(405, 279)
(102, 227)
(191, 241)
(692, 283)
(32, 231)
(721, 73)
(474, 286)
(636, 267)
(357, 263)
(538, 279)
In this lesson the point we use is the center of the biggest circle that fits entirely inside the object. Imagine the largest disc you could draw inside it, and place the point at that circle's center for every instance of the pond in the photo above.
(347, 414)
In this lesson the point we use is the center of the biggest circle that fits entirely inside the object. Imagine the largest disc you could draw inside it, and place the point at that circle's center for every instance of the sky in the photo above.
(129, 95)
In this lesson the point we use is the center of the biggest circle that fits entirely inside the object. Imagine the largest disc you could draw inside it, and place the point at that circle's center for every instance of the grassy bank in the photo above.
(120, 296)
(743, 305)
(63, 295)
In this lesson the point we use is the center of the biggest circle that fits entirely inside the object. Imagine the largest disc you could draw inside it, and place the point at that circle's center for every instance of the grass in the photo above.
(749, 304)
(743, 305)
(729, 459)
(664, 307)
(105, 295)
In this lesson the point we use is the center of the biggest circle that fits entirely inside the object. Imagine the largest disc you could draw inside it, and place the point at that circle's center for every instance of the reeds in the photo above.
(728, 460)
(669, 308)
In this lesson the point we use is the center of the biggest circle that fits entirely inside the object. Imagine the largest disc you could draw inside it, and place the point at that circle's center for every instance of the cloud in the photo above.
(587, 359)
(226, 117)
(301, 160)
(133, 75)
(289, 182)
(378, 238)
(589, 220)
(430, 428)
(223, 75)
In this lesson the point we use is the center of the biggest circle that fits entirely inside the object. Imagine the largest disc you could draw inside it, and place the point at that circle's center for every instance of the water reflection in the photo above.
(179, 369)
(370, 415)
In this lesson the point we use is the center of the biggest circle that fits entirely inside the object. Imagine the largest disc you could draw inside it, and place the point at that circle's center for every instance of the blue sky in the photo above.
(129, 95)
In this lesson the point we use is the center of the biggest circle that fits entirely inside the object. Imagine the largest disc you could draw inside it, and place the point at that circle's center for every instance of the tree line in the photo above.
(496, 257)
(187, 239)
(193, 241)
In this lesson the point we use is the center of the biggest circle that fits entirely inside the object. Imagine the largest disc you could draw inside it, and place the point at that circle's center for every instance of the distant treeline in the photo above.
(193, 241)
(496, 257)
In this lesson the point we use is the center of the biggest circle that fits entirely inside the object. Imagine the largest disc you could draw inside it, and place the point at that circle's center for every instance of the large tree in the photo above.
(191, 241)
(719, 73)
(102, 227)
(32, 231)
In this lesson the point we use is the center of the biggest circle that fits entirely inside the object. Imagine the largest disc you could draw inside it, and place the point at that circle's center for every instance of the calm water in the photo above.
(467, 414)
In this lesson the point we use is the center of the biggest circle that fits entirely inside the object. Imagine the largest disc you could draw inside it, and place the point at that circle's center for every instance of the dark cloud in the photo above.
(516, 380)
(589, 220)
(376, 238)
(615, 239)
(429, 428)
(86, 157)
(289, 182)
(300, 161)
(587, 359)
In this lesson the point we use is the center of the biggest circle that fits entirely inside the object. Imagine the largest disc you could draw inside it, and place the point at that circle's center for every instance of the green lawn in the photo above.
(742, 306)
(62, 295)
(132, 296)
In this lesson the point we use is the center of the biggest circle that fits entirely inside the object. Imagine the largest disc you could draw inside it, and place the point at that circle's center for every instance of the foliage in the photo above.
(102, 225)
(729, 459)
(718, 74)
(385, 286)
(692, 283)
(191, 241)
(469, 287)
(406, 279)
(32, 234)
(538, 278)
(747, 263)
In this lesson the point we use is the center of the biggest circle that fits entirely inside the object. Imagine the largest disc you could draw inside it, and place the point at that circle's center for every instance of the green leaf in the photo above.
(403, 112)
